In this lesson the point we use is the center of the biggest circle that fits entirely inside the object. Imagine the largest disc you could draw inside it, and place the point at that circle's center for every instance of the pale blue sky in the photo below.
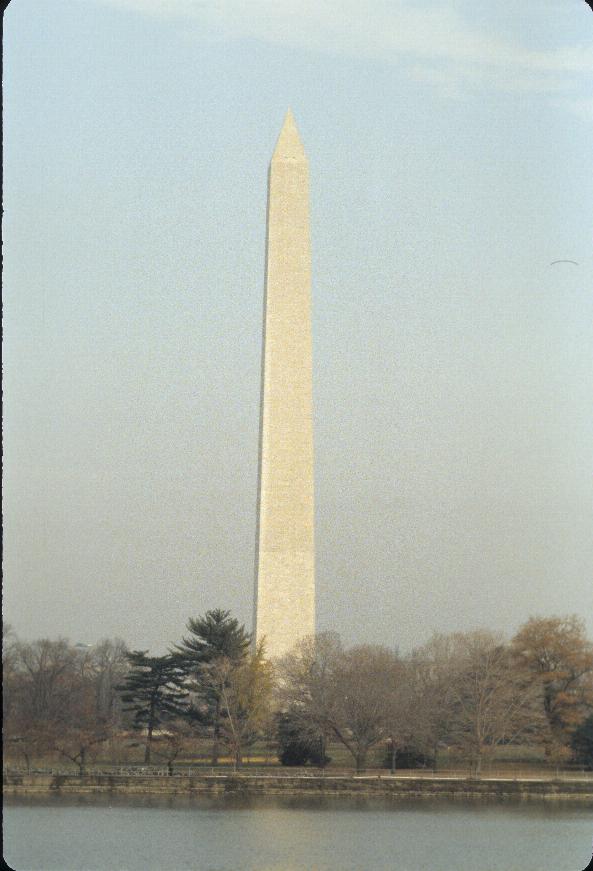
(449, 146)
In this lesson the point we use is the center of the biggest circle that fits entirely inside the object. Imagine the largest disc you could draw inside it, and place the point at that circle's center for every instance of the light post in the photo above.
(392, 753)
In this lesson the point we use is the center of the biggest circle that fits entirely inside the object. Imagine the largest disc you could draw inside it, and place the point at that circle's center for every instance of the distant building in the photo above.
(285, 546)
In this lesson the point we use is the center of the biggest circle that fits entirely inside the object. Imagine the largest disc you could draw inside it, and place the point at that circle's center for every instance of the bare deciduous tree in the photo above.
(244, 688)
(366, 683)
(432, 670)
(492, 700)
(307, 685)
(347, 694)
(172, 740)
(109, 668)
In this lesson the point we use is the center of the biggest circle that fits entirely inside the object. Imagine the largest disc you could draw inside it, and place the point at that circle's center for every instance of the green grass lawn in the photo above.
(131, 752)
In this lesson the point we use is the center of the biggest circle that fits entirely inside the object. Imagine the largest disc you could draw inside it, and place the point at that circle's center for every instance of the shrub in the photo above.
(298, 743)
(582, 743)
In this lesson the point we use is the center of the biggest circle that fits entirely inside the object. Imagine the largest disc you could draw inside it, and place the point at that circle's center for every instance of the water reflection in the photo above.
(293, 833)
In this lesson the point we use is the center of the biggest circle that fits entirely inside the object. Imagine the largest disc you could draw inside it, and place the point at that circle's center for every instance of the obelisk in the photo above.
(285, 547)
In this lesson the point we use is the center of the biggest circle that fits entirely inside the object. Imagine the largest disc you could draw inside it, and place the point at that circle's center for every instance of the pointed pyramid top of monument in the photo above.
(289, 145)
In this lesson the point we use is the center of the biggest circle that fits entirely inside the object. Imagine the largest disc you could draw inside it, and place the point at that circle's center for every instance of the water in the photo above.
(98, 833)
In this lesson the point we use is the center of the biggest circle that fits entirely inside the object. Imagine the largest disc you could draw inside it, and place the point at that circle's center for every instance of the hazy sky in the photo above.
(449, 147)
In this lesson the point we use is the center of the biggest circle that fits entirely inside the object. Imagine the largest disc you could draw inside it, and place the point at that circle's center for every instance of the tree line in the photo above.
(471, 692)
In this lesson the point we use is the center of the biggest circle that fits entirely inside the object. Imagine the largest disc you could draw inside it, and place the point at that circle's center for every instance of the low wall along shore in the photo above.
(249, 784)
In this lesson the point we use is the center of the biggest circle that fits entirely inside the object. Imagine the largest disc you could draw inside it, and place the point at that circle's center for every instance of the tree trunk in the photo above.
(360, 760)
(169, 768)
(147, 749)
(81, 764)
(238, 757)
(216, 741)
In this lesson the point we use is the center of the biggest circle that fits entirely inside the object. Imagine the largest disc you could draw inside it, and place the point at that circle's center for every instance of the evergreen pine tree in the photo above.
(154, 690)
(214, 636)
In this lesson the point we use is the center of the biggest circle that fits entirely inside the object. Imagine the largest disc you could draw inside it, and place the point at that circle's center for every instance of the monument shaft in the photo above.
(285, 547)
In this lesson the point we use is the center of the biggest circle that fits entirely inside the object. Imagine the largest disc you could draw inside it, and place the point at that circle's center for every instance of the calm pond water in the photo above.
(96, 833)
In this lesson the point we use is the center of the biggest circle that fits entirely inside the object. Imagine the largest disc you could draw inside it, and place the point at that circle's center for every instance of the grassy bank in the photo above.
(513, 760)
(403, 786)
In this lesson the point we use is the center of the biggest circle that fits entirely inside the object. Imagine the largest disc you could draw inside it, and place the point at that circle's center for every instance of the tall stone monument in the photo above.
(285, 547)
